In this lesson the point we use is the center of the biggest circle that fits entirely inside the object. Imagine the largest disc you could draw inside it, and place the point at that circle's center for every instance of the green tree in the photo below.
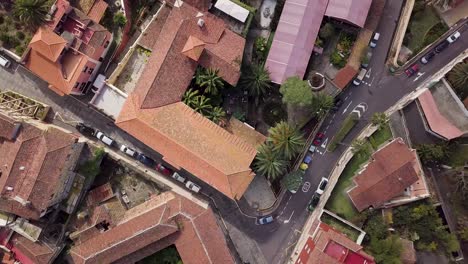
(358, 146)
(269, 163)
(209, 79)
(293, 180)
(256, 80)
(32, 13)
(463, 233)
(296, 92)
(458, 77)
(433, 152)
(386, 251)
(190, 96)
(380, 119)
(119, 19)
(202, 105)
(285, 139)
(321, 104)
(327, 31)
(216, 114)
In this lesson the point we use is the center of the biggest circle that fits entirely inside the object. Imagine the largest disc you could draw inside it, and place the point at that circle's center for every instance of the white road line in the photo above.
(287, 221)
(346, 109)
(346, 98)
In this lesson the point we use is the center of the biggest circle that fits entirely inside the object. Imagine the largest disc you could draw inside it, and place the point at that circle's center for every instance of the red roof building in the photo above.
(344, 76)
(66, 52)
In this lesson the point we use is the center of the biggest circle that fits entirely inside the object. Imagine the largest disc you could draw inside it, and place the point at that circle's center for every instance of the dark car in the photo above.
(164, 170)
(428, 57)
(337, 104)
(85, 130)
(443, 45)
(265, 220)
(147, 161)
(313, 202)
(412, 70)
(318, 139)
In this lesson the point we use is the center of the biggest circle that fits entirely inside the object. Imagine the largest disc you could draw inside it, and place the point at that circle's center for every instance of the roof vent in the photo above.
(201, 22)
(9, 188)
(22, 168)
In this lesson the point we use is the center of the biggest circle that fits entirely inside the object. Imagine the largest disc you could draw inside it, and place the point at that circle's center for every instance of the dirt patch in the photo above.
(132, 70)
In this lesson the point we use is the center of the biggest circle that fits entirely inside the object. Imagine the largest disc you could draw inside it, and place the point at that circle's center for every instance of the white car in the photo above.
(452, 38)
(321, 186)
(374, 40)
(177, 177)
(192, 186)
(128, 151)
(105, 139)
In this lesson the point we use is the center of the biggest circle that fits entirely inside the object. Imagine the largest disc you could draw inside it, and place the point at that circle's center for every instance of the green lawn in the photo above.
(380, 136)
(459, 156)
(346, 126)
(420, 24)
(350, 232)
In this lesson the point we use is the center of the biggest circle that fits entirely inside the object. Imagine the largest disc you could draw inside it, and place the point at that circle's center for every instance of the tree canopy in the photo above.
(269, 163)
(386, 251)
(433, 152)
(286, 139)
(293, 180)
(33, 13)
(296, 92)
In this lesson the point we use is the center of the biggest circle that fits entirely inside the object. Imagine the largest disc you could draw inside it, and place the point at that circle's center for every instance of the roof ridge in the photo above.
(201, 241)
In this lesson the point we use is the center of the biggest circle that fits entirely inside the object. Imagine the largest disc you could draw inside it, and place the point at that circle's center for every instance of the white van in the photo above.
(359, 78)
(374, 40)
(105, 139)
(4, 62)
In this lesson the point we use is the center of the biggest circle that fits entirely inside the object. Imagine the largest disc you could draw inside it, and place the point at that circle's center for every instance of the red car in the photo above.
(163, 170)
(412, 70)
(318, 138)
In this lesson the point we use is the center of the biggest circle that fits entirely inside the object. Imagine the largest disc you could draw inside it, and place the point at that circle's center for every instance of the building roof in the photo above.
(390, 170)
(8, 128)
(408, 254)
(294, 39)
(166, 217)
(326, 245)
(32, 165)
(97, 10)
(352, 11)
(436, 121)
(155, 115)
(48, 44)
(193, 48)
(36, 252)
(344, 76)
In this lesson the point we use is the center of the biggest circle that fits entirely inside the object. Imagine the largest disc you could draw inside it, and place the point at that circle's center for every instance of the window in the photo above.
(85, 69)
(82, 86)
(76, 85)
(106, 44)
(91, 70)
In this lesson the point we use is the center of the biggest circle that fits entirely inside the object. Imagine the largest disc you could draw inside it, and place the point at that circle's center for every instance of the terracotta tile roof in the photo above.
(8, 128)
(38, 252)
(202, 5)
(31, 167)
(344, 76)
(97, 10)
(158, 219)
(386, 176)
(48, 44)
(193, 48)
(99, 194)
(154, 114)
(408, 255)
(151, 35)
(436, 121)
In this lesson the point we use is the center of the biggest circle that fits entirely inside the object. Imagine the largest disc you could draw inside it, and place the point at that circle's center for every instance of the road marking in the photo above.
(419, 75)
(324, 144)
(346, 98)
(306, 187)
(368, 73)
(287, 221)
(346, 109)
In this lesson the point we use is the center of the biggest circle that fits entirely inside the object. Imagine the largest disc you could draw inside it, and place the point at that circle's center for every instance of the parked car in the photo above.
(452, 38)
(366, 60)
(412, 70)
(321, 186)
(374, 40)
(428, 57)
(318, 138)
(442, 46)
(337, 104)
(145, 160)
(105, 139)
(307, 159)
(164, 170)
(312, 148)
(178, 178)
(4, 62)
(265, 220)
(85, 130)
(357, 81)
(192, 186)
(130, 152)
(313, 202)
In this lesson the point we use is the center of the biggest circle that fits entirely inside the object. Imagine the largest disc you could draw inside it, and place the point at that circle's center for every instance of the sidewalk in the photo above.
(259, 195)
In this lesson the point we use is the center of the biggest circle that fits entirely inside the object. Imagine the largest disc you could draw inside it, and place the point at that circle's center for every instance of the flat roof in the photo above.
(233, 9)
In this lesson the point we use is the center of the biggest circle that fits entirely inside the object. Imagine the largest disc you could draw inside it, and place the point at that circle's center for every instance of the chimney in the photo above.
(201, 22)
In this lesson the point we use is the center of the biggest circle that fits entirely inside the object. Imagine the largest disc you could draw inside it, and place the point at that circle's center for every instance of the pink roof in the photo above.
(294, 38)
(352, 11)
(436, 121)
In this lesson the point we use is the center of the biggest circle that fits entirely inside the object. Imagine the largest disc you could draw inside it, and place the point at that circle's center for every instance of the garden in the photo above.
(14, 34)
(340, 55)
(458, 79)
(349, 231)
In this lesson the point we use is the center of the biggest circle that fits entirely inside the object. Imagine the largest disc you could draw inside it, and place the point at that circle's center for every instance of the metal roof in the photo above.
(233, 9)
(352, 11)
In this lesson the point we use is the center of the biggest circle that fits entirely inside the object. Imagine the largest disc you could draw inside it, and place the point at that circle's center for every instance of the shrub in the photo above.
(120, 19)
(20, 35)
(337, 60)
(2, 20)
(273, 112)
(5, 38)
(296, 92)
(19, 50)
(327, 31)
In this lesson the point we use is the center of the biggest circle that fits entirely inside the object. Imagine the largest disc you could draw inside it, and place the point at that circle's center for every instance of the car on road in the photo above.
(412, 70)
(85, 130)
(105, 139)
(321, 186)
(357, 81)
(313, 202)
(312, 148)
(452, 38)
(265, 220)
(4, 62)
(178, 178)
(130, 152)
(192, 186)
(318, 138)
(163, 169)
(145, 160)
(428, 57)
(337, 104)
(443, 45)
(374, 40)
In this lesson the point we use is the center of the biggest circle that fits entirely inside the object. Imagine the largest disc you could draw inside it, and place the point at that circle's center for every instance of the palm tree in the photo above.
(33, 13)
(190, 96)
(201, 104)
(286, 139)
(269, 163)
(380, 119)
(216, 114)
(458, 76)
(256, 80)
(209, 79)
(321, 103)
(358, 146)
